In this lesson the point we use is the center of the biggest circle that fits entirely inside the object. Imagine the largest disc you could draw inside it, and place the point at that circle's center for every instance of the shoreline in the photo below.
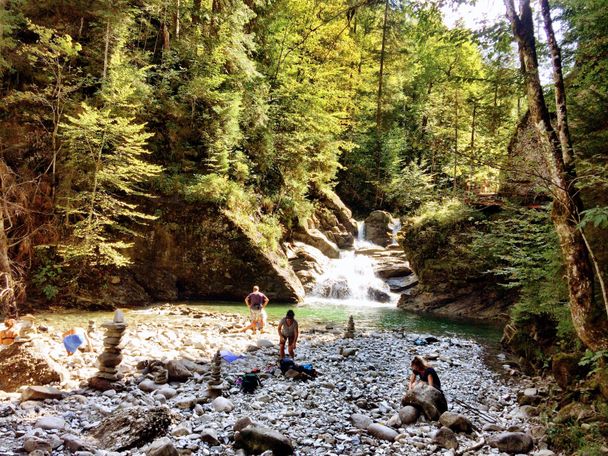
(371, 382)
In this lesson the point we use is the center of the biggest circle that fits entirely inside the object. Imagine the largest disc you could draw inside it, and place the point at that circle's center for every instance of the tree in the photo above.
(590, 320)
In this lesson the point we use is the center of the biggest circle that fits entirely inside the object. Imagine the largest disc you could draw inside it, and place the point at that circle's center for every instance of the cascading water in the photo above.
(396, 227)
(351, 277)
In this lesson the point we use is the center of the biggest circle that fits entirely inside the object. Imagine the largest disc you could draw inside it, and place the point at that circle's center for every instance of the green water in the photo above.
(312, 314)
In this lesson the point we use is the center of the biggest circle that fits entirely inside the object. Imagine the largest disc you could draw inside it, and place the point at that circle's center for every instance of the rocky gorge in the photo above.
(353, 407)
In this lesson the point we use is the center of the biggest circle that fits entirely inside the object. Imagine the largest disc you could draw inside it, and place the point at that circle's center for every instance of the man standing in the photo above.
(256, 301)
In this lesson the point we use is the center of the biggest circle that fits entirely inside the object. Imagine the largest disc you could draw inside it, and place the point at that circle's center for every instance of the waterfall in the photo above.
(395, 228)
(351, 277)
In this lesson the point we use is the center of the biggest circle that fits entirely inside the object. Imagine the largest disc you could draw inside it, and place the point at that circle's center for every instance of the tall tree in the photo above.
(590, 319)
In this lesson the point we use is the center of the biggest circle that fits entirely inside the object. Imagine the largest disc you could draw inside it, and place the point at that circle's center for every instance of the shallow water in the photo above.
(313, 313)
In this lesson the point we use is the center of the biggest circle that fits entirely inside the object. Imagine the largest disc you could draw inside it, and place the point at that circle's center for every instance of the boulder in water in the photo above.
(378, 295)
(377, 228)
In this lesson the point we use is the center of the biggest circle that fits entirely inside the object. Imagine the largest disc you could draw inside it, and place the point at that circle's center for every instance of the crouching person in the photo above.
(288, 334)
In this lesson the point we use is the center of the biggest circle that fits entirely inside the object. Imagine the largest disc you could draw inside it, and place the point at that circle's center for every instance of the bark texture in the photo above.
(589, 319)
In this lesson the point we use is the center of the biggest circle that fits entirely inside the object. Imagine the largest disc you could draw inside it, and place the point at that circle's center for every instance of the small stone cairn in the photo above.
(350, 328)
(111, 357)
(215, 386)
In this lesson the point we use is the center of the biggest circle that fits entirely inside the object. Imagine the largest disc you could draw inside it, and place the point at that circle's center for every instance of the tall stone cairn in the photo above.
(111, 357)
(215, 387)
(216, 369)
(350, 328)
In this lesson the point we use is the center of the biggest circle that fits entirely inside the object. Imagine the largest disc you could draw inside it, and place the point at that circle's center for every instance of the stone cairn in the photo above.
(350, 328)
(111, 357)
(215, 386)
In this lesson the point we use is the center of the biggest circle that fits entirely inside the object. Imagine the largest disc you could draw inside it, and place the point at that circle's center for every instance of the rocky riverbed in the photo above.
(361, 382)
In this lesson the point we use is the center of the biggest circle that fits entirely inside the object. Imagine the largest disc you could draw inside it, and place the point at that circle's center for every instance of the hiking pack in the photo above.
(287, 364)
(250, 382)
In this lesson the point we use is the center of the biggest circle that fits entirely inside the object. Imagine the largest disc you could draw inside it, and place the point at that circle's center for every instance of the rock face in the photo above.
(25, 364)
(317, 239)
(198, 252)
(308, 263)
(255, 439)
(377, 228)
(428, 399)
(133, 427)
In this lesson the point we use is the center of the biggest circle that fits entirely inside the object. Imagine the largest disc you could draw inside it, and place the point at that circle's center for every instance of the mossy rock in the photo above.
(565, 368)
(600, 380)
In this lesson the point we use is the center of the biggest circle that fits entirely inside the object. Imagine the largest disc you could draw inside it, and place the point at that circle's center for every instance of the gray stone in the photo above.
(148, 385)
(256, 439)
(162, 447)
(456, 422)
(167, 392)
(430, 400)
(178, 371)
(221, 404)
(241, 423)
(40, 393)
(75, 443)
(382, 432)
(394, 421)
(133, 427)
(50, 422)
(445, 438)
(264, 343)
(209, 436)
(512, 442)
(408, 414)
(360, 421)
(32, 443)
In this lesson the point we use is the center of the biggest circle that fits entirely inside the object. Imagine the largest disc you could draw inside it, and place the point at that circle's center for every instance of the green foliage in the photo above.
(595, 361)
(597, 216)
(411, 188)
(524, 250)
(572, 439)
(45, 277)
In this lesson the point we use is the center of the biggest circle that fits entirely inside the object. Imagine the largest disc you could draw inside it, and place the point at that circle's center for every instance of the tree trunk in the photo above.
(106, 51)
(8, 304)
(378, 157)
(589, 319)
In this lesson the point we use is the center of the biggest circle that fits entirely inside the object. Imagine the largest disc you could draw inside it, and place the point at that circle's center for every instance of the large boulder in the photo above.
(132, 427)
(203, 252)
(512, 442)
(27, 364)
(255, 439)
(456, 422)
(378, 228)
(317, 239)
(429, 400)
(307, 262)
(344, 215)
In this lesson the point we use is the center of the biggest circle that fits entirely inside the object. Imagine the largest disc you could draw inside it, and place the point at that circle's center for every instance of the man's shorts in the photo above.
(257, 315)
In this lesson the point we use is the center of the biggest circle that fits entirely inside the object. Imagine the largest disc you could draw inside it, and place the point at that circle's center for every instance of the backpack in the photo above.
(285, 364)
(250, 382)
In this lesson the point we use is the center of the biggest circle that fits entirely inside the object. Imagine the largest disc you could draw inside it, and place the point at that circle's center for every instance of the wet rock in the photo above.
(256, 439)
(27, 364)
(445, 438)
(408, 414)
(456, 422)
(378, 295)
(388, 270)
(426, 398)
(382, 432)
(377, 228)
(132, 427)
(40, 393)
(318, 240)
(162, 447)
(512, 442)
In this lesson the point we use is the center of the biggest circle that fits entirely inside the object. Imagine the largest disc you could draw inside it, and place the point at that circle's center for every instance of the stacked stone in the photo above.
(350, 328)
(215, 385)
(111, 357)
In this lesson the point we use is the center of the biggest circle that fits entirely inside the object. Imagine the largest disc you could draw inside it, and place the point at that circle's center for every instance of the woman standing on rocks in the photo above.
(288, 332)
(425, 373)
